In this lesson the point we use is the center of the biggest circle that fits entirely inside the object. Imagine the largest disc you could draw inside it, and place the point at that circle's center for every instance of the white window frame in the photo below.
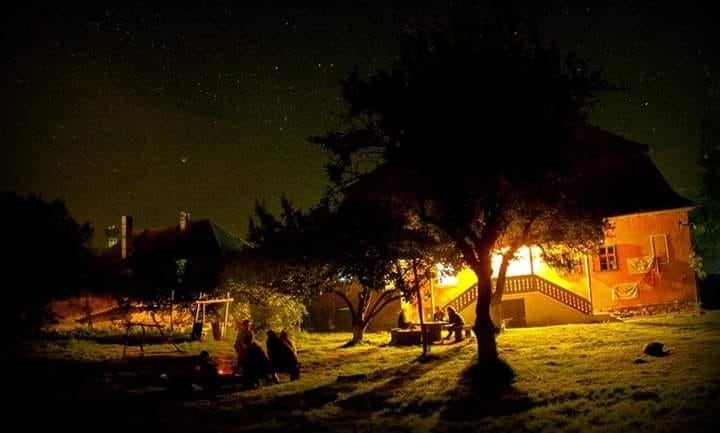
(666, 258)
(607, 255)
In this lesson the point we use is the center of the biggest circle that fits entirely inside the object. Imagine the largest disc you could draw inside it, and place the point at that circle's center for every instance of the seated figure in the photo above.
(403, 322)
(282, 356)
(456, 324)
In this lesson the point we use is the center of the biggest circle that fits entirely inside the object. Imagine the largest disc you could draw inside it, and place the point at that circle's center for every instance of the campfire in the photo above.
(224, 367)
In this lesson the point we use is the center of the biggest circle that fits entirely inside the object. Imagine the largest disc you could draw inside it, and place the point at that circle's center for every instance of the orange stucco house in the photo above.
(642, 265)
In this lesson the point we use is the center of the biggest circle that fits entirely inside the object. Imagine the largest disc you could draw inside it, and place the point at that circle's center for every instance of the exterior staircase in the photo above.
(527, 284)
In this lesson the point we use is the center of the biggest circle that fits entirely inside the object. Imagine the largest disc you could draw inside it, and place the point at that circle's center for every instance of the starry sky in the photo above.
(147, 110)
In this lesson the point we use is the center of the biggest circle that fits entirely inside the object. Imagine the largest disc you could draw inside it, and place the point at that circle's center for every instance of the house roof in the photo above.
(620, 176)
(202, 238)
(630, 183)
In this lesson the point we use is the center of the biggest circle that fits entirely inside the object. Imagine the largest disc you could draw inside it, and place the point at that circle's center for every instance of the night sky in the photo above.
(145, 110)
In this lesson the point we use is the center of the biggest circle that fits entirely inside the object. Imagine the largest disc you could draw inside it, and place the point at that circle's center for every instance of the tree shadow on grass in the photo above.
(377, 398)
(484, 391)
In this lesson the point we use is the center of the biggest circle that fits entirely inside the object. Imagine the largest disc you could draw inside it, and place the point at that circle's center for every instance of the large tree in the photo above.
(477, 131)
(707, 215)
(46, 255)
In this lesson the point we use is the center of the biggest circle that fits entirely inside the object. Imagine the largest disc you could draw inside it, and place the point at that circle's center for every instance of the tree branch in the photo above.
(467, 250)
(508, 255)
(379, 309)
(379, 299)
(345, 298)
(502, 274)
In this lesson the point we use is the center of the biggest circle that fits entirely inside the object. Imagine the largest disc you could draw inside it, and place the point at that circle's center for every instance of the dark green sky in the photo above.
(149, 110)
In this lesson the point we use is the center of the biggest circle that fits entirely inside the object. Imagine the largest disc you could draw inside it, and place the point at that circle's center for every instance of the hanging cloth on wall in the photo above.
(625, 291)
(639, 265)
(646, 265)
(652, 275)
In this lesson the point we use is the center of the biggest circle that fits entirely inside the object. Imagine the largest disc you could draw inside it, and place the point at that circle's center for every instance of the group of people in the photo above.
(454, 319)
(258, 366)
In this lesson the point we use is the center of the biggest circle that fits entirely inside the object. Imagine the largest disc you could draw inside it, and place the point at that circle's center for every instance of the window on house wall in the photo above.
(608, 258)
(660, 248)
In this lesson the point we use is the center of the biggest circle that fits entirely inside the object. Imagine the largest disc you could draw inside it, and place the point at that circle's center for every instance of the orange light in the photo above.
(446, 275)
(520, 264)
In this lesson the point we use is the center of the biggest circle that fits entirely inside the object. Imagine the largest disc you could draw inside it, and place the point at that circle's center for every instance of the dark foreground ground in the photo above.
(575, 378)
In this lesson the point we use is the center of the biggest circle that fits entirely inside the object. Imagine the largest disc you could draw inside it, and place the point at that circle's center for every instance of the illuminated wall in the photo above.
(633, 237)
(449, 288)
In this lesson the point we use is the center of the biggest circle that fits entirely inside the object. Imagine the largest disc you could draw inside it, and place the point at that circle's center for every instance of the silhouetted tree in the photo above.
(46, 255)
(475, 130)
(707, 216)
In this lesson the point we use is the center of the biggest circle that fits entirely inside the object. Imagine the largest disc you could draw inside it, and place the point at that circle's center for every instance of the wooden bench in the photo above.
(405, 337)
(468, 330)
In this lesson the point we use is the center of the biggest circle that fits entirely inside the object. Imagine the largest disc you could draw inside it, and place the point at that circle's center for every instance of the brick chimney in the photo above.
(126, 227)
(184, 220)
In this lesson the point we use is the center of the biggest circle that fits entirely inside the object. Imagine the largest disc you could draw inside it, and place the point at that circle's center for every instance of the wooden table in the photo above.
(434, 330)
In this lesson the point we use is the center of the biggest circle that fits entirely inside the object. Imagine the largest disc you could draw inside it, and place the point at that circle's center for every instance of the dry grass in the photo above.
(573, 378)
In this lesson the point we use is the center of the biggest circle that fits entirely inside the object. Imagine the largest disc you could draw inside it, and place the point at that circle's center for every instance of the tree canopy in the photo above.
(367, 255)
(475, 130)
(47, 253)
(707, 215)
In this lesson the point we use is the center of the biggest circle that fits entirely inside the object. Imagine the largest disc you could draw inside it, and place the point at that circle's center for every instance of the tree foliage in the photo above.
(707, 215)
(265, 307)
(366, 254)
(46, 256)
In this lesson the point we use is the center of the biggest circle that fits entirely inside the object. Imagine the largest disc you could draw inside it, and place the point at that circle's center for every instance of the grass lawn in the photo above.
(574, 378)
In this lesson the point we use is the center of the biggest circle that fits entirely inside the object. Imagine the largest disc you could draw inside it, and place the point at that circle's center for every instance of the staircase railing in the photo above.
(464, 299)
(525, 284)
(519, 284)
(561, 294)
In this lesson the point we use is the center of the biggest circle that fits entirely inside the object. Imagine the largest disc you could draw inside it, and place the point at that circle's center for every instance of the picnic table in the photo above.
(413, 335)
(129, 325)
(433, 330)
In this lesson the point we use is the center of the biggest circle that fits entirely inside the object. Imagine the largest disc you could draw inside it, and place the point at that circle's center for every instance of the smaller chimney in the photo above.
(126, 226)
(184, 220)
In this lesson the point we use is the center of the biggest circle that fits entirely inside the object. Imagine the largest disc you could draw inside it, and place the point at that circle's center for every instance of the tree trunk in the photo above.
(418, 293)
(497, 294)
(423, 330)
(484, 327)
(358, 332)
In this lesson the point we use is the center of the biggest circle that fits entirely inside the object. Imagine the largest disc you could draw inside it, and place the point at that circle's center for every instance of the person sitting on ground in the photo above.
(285, 338)
(282, 357)
(256, 365)
(439, 315)
(403, 322)
(456, 324)
(243, 331)
(206, 373)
